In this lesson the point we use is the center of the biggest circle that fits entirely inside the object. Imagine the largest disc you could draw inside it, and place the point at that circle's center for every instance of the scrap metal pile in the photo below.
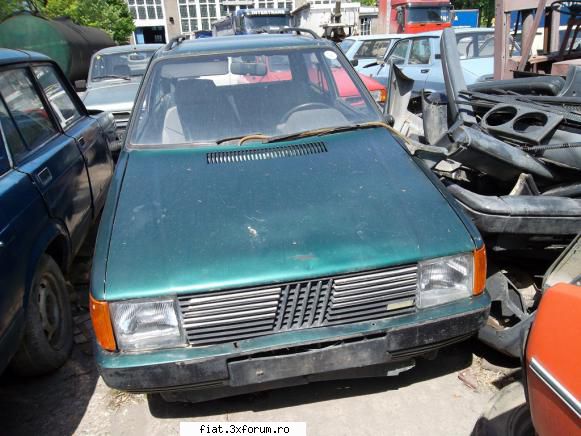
(509, 152)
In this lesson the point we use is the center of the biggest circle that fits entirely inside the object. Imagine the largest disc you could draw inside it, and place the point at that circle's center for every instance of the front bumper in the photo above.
(244, 368)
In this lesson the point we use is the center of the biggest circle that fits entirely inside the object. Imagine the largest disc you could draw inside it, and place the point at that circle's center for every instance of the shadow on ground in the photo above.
(49, 405)
(449, 360)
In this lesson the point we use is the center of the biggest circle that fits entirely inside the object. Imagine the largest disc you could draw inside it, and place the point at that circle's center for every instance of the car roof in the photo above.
(374, 37)
(128, 48)
(10, 56)
(457, 31)
(240, 43)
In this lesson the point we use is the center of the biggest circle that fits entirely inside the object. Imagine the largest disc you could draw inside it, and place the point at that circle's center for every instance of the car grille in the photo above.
(226, 316)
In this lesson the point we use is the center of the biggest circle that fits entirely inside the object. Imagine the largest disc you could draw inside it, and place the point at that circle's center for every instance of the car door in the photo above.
(77, 124)
(418, 65)
(22, 213)
(51, 159)
(398, 55)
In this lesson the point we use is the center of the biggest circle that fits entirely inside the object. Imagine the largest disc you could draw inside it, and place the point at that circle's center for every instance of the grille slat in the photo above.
(225, 316)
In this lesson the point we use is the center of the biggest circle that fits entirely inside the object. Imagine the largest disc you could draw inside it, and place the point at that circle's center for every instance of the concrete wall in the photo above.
(172, 11)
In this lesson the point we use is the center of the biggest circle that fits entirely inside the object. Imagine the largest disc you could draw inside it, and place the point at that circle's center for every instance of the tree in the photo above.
(486, 8)
(110, 15)
(8, 7)
(372, 3)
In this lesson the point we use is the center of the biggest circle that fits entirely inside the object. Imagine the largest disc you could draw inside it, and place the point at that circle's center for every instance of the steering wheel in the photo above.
(302, 107)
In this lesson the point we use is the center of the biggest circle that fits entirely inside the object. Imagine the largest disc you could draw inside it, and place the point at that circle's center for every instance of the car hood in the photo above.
(183, 224)
(111, 98)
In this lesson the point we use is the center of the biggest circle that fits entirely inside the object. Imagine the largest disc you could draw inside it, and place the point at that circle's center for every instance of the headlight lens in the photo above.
(146, 325)
(445, 279)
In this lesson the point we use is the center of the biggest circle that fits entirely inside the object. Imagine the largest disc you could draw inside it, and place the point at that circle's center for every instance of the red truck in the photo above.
(414, 16)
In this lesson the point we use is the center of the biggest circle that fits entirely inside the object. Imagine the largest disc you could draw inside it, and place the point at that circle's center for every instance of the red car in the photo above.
(347, 90)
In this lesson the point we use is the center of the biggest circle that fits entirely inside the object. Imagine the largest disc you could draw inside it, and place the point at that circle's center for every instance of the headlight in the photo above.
(451, 278)
(380, 96)
(146, 325)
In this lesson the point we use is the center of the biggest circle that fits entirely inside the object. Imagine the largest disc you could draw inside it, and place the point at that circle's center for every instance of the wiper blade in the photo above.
(325, 131)
(243, 138)
(112, 76)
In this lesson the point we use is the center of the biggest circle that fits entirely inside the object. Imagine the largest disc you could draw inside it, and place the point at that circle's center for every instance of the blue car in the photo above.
(55, 171)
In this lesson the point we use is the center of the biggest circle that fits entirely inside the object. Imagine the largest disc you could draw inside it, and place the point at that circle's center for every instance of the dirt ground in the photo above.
(444, 396)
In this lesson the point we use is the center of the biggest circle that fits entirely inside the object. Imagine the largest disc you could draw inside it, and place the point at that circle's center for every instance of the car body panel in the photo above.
(553, 358)
(46, 198)
(370, 207)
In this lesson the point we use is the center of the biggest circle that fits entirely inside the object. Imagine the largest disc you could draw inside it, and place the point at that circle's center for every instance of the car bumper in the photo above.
(246, 369)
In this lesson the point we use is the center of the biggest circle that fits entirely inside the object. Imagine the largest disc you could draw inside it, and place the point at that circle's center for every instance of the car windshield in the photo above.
(373, 49)
(346, 44)
(120, 65)
(203, 99)
(428, 14)
(257, 22)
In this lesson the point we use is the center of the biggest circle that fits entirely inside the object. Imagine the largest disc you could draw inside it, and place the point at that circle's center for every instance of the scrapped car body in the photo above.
(419, 58)
(55, 170)
(260, 235)
(114, 78)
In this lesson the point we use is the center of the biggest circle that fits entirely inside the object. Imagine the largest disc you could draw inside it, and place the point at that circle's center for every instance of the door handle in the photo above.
(425, 70)
(44, 176)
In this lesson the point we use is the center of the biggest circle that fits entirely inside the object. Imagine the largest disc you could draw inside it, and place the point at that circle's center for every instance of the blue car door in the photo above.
(50, 158)
(77, 124)
(22, 215)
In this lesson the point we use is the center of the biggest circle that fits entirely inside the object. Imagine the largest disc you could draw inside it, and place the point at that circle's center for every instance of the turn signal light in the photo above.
(479, 270)
(102, 324)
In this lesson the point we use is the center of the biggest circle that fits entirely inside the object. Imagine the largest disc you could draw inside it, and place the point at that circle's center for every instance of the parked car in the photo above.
(55, 170)
(551, 398)
(364, 50)
(114, 78)
(418, 56)
(260, 235)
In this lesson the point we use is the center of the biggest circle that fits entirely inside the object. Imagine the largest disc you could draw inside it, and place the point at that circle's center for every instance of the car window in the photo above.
(119, 65)
(373, 49)
(420, 52)
(399, 52)
(346, 44)
(61, 102)
(475, 45)
(26, 107)
(10, 134)
(4, 162)
(216, 97)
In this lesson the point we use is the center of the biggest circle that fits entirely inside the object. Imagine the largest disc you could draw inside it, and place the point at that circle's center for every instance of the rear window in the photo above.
(205, 99)
(373, 49)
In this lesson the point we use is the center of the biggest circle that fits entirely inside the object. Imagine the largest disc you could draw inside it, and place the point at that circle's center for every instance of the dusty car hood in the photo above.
(111, 98)
(185, 225)
(476, 68)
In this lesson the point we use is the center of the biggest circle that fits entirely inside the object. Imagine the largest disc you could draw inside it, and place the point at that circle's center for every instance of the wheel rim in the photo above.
(49, 308)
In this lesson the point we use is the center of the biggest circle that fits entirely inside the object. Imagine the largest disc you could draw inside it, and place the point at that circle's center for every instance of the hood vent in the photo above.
(247, 155)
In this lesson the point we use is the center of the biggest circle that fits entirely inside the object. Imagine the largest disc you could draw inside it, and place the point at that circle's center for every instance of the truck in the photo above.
(414, 16)
(55, 171)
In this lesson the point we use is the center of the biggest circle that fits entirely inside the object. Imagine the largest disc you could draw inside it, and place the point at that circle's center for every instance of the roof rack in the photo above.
(174, 42)
(298, 30)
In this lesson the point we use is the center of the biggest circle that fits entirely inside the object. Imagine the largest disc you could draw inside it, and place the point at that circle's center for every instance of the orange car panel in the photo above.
(553, 359)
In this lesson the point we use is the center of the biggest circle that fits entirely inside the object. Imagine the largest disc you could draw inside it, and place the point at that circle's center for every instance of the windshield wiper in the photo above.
(325, 131)
(243, 138)
(112, 76)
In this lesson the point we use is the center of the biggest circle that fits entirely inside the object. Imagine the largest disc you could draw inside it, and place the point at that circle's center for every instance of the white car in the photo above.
(366, 49)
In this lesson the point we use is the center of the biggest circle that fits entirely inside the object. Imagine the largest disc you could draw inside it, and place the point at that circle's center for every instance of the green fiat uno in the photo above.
(264, 230)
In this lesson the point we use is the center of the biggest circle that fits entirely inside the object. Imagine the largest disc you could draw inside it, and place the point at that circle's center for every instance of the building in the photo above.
(160, 20)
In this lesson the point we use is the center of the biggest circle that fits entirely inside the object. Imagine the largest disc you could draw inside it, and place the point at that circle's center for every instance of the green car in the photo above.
(263, 231)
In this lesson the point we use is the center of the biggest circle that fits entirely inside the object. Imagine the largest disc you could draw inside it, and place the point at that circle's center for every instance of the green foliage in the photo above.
(110, 15)
(486, 9)
(8, 7)
(368, 3)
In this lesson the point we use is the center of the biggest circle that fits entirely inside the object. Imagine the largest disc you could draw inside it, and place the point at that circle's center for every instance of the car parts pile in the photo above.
(509, 151)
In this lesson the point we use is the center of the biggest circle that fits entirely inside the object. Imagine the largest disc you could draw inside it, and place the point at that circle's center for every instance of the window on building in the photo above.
(365, 26)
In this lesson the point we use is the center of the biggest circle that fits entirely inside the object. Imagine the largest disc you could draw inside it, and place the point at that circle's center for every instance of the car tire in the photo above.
(48, 333)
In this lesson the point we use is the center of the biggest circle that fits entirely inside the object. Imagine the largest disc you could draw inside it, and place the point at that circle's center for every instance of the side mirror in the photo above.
(81, 85)
(399, 16)
(354, 62)
(388, 118)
